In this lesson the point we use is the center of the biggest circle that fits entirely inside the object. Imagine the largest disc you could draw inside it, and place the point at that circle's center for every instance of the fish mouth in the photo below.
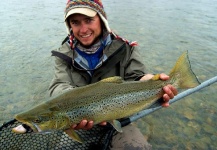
(38, 129)
(34, 128)
(30, 127)
(23, 128)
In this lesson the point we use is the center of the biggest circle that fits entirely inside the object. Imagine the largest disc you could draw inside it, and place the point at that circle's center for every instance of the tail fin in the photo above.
(182, 73)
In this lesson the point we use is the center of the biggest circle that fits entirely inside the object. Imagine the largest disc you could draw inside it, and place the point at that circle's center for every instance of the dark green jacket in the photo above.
(122, 60)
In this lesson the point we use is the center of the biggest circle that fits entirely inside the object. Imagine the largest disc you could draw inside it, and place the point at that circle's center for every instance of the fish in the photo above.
(108, 100)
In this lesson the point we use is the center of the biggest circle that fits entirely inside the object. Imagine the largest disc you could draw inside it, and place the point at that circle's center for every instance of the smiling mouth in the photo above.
(86, 36)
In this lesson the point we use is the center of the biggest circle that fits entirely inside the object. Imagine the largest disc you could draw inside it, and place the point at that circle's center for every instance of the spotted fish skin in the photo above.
(107, 100)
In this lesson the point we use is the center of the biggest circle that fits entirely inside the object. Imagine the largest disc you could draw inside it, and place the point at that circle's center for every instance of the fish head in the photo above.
(37, 122)
(43, 120)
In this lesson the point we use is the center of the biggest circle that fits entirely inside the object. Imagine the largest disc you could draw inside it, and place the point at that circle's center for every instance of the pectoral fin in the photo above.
(71, 133)
(116, 124)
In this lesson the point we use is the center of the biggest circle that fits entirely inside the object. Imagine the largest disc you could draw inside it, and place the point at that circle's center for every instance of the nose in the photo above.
(83, 28)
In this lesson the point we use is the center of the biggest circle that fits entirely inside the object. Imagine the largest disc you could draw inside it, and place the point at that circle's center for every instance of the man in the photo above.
(93, 52)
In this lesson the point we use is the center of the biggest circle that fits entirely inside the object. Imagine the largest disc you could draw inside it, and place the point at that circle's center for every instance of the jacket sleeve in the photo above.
(62, 77)
(134, 67)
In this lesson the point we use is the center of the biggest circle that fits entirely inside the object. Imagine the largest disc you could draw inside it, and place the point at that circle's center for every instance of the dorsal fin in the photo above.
(115, 79)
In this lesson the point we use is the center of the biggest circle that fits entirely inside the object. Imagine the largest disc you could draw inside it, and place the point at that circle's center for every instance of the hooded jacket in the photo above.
(121, 60)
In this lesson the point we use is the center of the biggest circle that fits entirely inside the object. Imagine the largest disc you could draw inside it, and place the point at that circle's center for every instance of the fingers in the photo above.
(84, 124)
(163, 76)
(170, 92)
(166, 104)
(103, 123)
(146, 77)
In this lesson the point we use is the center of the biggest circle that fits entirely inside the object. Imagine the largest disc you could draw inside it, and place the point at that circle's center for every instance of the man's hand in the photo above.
(86, 125)
(169, 90)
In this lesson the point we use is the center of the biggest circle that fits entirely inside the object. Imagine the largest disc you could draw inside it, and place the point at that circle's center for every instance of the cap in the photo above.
(84, 11)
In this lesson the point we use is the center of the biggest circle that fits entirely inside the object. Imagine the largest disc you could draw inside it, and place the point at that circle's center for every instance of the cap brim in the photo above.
(84, 11)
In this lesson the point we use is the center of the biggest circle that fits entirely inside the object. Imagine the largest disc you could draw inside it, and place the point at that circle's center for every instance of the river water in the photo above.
(164, 29)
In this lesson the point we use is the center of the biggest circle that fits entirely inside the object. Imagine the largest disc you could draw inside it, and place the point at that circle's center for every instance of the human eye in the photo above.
(75, 23)
(89, 20)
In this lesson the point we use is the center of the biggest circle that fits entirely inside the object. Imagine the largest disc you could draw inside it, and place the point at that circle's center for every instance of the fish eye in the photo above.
(36, 121)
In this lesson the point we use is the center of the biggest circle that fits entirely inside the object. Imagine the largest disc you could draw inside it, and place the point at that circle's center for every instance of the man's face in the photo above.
(86, 29)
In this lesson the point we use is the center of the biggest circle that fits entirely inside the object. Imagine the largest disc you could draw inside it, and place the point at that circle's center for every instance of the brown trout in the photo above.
(107, 100)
